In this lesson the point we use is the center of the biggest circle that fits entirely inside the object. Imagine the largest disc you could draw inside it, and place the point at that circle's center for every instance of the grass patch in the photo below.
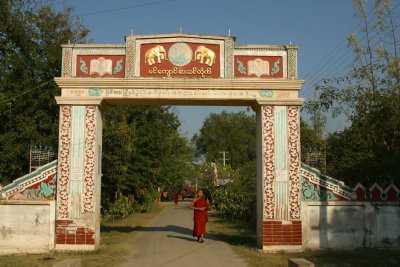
(114, 248)
(241, 236)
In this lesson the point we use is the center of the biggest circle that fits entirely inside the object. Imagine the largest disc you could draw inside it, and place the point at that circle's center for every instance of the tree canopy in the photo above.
(143, 149)
(142, 146)
(30, 57)
(369, 97)
(231, 132)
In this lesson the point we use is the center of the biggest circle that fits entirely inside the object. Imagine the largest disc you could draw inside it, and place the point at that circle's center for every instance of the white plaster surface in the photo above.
(350, 225)
(26, 228)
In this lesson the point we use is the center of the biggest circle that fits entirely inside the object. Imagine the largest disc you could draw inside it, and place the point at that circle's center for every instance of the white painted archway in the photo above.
(179, 69)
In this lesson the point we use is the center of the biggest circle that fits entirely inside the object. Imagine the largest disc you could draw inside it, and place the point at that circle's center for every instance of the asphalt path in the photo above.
(167, 241)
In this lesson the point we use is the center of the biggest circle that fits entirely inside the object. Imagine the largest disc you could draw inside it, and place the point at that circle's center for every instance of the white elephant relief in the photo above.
(155, 55)
(204, 55)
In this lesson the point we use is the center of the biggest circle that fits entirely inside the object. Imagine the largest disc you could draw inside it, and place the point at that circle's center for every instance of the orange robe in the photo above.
(176, 198)
(200, 217)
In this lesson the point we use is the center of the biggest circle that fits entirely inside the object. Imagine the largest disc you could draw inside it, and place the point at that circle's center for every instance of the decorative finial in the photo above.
(229, 32)
(181, 30)
(290, 42)
(69, 41)
(131, 32)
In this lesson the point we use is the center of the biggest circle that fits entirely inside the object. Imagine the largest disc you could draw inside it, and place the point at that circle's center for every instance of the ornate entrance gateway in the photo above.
(179, 69)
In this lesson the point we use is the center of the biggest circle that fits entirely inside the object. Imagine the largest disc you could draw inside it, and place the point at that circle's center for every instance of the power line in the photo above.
(123, 8)
(327, 68)
(24, 93)
(320, 73)
(331, 69)
(333, 51)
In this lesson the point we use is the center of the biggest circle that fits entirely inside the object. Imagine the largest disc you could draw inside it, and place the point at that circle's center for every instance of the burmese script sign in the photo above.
(180, 59)
(179, 93)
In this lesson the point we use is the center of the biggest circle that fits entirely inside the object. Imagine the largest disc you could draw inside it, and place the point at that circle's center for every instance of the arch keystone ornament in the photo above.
(179, 69)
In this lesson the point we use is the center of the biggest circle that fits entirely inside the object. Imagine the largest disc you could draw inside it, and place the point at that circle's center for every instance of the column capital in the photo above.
(79, 101)
(278, 102)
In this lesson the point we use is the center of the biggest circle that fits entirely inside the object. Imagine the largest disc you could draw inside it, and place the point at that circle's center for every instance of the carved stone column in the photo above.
(278, 170)
(79, 178)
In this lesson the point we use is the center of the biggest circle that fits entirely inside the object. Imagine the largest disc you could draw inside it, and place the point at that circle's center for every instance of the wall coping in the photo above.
(26, 202)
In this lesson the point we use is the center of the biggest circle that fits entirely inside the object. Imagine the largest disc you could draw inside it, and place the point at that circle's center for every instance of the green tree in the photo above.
(30, 57)
(236, 134)
(231, 132)
(143, 151)
(369, 97)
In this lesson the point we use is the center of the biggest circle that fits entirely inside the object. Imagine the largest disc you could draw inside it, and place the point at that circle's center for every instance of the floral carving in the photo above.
(229, 59)
(89, 158)
(64, 152)
(269, 169)
(315, 177)
(294, 161)
(38, 185)
(292, 62)
(130, 58)
(67, 62)
(46, 190)
(313, 192)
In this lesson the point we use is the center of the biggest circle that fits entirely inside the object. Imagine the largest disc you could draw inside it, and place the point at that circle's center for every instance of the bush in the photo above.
(122, 207)
(238, 199)
(230, 204)
(146, 199)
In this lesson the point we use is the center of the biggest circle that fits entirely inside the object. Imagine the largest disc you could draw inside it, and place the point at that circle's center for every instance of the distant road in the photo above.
(167, 241)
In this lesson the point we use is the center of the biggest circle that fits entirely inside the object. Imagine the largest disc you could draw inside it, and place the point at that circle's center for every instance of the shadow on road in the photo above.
(128, 229)
(119, 229)
(184, 234)
(238, 236)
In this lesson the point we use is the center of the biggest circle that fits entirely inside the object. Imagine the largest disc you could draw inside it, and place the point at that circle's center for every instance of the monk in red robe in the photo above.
(176, 198)
(200, 208)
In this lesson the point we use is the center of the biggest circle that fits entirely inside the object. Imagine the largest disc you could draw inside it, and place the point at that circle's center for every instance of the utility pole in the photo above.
(224, 159)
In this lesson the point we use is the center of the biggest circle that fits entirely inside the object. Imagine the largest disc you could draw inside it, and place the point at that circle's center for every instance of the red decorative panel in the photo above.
(183, 60)
(258, 67)
(45, 190)
(392, 194)
(40, 184)
(360, 194)
(376, 194)
(275, 233)
(100, 66)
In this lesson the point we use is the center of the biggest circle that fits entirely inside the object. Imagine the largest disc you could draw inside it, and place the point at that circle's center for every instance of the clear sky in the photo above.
(319, 27)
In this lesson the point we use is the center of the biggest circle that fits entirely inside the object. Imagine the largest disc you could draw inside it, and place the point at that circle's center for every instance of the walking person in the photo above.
(199, 206)
(176, 198)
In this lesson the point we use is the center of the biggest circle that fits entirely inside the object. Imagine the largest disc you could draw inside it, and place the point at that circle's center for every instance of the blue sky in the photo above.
(319, 27)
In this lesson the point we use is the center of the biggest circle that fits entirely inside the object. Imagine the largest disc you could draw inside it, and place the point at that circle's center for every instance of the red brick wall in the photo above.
(67, 232)
(276, 233)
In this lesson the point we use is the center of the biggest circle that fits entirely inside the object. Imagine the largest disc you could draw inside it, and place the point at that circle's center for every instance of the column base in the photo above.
(282, 235)
(286, 248)
(74, 234)
(61, 247)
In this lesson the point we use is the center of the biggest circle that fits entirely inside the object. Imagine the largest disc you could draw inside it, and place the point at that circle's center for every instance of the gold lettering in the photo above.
(175, 71)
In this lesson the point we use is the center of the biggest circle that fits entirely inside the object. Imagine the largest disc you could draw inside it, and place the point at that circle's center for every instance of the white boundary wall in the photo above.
(342, 224)
(26, 226)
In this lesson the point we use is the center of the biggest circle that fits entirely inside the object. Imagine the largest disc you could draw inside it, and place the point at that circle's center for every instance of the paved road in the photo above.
(167, 241)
